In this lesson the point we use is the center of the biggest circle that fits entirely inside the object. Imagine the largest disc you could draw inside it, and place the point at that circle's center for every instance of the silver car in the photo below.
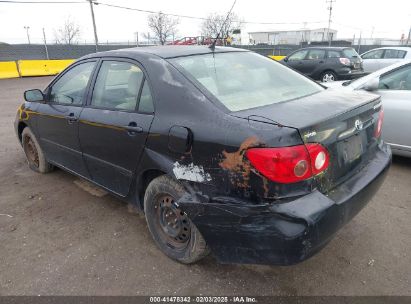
(382, 57)
(393, 84)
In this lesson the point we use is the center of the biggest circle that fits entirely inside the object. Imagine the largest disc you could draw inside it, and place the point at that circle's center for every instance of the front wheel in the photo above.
(171, 229)
(328, 76)
(34, 154)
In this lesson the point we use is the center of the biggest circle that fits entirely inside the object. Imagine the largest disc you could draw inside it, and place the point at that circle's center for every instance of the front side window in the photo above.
(70, 88)
(117, 86)
(244, 80)
(398, 80)
(316, 54)
(377, 54)
(300, 55)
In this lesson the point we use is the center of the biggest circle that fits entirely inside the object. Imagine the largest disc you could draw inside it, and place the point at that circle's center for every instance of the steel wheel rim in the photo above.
(328, 77)
(31, 152)
(172, 223)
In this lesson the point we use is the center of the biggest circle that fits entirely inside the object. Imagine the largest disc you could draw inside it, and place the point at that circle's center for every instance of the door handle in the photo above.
(132, 128)
(71, 118)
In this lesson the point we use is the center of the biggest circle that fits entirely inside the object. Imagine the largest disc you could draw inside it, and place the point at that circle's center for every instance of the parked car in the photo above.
(326, 63)
(393, 84)
(222, 150)
(382, 57)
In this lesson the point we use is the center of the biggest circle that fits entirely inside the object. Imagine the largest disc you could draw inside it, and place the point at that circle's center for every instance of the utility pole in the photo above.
(136, 33)
(94, 23)
(409, 36)
(27, 32)
(330, 8)
(359, 43)
(45, 44)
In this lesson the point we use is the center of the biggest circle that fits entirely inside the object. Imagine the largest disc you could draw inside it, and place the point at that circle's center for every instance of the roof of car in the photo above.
(331, 48)
(168, 51)
(405, 48)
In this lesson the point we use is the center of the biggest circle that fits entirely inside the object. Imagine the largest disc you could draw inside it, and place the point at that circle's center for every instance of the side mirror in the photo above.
(285, 59)
(372, 84)
(34, 95)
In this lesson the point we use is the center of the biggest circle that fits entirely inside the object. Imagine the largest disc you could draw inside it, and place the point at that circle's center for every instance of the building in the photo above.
(291, 37)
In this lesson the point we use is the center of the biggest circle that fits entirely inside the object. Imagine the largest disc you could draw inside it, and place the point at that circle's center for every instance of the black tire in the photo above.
(185, 243)
(34, 154)
(328, 76)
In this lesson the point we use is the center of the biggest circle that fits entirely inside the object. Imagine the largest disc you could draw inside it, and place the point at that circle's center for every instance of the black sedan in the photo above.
(223, 150)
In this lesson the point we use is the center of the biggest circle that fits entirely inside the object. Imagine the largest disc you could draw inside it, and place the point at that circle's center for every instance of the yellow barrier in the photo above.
(42, 67)
(278, 58)
(8, 69)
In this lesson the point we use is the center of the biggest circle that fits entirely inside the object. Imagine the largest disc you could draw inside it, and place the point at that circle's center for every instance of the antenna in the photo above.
(212, 46)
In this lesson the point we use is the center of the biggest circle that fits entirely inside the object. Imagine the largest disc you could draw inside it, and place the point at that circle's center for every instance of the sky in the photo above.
(350, 17)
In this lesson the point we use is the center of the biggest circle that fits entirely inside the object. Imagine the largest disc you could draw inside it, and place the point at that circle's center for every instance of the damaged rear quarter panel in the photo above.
(214, 165)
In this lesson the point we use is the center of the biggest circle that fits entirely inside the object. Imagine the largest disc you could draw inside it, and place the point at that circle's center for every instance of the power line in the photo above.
(156, 12)
(40, 2)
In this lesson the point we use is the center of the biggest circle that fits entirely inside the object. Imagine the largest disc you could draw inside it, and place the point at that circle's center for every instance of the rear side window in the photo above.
(334, 54)
(316, 54)
(350, 53)
(244, 80)
(117, 86)
(146, 100)
(394, 54)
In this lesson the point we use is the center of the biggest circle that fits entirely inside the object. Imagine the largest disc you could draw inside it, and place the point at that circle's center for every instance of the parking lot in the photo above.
(59, 239)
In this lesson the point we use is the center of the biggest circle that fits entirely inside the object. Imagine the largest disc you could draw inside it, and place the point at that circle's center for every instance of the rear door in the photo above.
(58, 123)
(395, 91)
(115, 123)
(392, 56)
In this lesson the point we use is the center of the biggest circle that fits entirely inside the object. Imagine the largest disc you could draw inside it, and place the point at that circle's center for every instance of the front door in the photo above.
(296, 60)
(395, 91)
(115, 124)
(58, 124)
(314, 62)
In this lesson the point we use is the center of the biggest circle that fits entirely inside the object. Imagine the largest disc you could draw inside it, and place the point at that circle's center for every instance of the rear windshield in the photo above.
(350, 53)
(244, 80)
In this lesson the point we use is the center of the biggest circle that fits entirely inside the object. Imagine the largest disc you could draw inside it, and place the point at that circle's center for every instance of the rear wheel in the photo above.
(172, 230)
(34, 154)
(328, 76)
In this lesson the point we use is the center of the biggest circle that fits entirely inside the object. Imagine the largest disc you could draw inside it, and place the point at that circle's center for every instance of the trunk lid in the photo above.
(344, 122)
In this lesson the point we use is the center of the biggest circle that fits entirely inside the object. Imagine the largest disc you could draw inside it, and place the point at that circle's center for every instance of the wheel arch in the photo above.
(20, 127)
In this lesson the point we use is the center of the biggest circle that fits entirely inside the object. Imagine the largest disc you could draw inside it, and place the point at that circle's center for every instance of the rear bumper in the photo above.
(348, 74)
(285, 233)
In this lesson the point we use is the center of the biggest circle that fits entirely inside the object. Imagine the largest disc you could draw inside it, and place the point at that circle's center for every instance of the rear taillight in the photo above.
(345, 61)
(289, 164)
(380, 120)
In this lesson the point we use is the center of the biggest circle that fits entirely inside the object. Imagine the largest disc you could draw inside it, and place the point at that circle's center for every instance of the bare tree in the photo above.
(69, 33)
(214, 24)
(163, 26)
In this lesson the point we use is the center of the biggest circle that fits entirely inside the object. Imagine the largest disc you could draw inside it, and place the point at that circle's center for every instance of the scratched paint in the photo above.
(191, 172)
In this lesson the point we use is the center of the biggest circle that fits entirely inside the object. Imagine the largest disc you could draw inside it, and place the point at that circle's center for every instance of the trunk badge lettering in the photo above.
(358, 125)
(310, 134)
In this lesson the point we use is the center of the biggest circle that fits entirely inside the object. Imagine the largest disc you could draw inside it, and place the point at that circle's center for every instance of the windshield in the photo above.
(244, 80)
(350, 53)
